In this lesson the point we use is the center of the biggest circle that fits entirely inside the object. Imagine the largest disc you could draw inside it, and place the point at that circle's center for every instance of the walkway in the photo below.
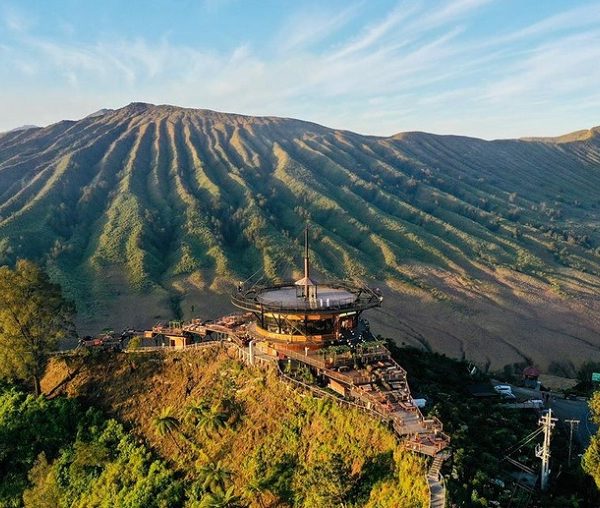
(383, 387)
(435, 480)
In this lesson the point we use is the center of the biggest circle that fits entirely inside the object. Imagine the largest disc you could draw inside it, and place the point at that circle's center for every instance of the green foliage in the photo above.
(45, 490)
(591, 458)
(220, 499)
(30, 426)
(134, 343)
(105, 468)
(165, 424)
(191, 199)
(74, 458)
(214, 421)
(34, 316)
(214, 476)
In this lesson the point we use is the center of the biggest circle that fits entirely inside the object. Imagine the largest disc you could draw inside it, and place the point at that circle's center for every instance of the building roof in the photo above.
(305, 281)
(288, 297)
(531, 371)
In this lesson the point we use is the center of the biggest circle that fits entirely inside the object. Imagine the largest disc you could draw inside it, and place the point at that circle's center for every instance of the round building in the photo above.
(306, 314)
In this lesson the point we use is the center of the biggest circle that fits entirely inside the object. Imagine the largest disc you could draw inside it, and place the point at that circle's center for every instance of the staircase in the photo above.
(437, 487)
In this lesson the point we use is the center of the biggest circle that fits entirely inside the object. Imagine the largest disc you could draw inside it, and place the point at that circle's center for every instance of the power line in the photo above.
(523, 442)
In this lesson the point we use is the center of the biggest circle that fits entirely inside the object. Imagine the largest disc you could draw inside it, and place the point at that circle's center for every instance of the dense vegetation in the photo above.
(591, 459)
(166, 203)
(483, 431)
(34, 317)
(193, 430)
(58, 453)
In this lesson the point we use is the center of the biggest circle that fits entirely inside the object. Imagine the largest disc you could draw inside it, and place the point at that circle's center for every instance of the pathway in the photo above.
(435, 480)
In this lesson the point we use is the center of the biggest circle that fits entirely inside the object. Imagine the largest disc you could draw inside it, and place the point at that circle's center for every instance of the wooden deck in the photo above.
(383, 386)
(380, 385)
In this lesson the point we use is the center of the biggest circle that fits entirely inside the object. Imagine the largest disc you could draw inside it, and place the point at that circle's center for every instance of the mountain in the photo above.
(23, 128)
(484, 249)
(100, 112)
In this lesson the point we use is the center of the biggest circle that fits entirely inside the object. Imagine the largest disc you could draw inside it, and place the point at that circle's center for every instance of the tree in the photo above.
(591, 457)
(34, 317)
(214, 476)
(44, 490)
(222, 499)
(165, 424)
(214, 421)
(197, 411)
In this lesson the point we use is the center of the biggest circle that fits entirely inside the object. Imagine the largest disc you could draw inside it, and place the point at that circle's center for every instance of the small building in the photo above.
(531, 377)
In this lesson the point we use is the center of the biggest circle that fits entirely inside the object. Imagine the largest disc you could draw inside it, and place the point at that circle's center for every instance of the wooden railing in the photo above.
(364, 298)
(323, 393)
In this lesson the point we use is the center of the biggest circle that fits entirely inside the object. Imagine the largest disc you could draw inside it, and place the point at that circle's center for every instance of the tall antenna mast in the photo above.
(306, 263)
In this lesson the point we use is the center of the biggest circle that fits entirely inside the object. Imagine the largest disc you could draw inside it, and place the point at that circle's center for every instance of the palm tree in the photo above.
(165, 424)
(214, 421)
(214, 476)
(222, 499)
(196, 411)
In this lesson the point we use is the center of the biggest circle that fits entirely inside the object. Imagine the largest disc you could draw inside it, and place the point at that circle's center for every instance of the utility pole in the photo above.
(572, 423)
(543, 451)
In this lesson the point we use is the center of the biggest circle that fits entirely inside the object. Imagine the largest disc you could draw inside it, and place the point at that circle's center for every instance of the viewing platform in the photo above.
(329, 297)
(184, 333)
(381, 385)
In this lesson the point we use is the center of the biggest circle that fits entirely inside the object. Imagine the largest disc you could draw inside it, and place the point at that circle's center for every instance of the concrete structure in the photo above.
(306, 314)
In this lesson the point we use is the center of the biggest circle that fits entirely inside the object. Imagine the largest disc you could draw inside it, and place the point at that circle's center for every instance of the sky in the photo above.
(485, 68)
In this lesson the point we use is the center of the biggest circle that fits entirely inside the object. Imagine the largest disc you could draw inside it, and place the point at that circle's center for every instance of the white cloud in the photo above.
(306, 28)
(15, 19)
(412, 69)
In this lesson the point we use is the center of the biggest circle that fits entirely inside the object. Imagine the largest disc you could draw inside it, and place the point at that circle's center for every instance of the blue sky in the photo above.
(486, 68)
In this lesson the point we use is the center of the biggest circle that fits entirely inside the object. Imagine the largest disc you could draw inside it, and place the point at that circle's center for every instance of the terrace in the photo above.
(373, 377)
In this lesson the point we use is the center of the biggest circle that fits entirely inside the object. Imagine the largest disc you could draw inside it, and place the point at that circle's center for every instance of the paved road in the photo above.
(566, 409)
(578, 410)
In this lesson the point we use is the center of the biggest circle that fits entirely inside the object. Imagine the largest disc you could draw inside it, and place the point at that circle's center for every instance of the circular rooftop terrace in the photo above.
(327, 298)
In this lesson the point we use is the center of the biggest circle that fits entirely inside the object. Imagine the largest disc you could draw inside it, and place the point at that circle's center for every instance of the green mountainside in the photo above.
(195, 430)
(488, 249)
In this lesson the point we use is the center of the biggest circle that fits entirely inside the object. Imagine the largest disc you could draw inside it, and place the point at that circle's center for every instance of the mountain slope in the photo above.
(488, 249)
(301, 450)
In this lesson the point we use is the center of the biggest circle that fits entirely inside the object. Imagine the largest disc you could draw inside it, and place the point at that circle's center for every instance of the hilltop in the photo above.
(483, 249)
(279, 446)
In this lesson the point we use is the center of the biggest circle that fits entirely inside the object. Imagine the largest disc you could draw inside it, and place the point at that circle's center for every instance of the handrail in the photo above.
(365, 298)
(333, 397)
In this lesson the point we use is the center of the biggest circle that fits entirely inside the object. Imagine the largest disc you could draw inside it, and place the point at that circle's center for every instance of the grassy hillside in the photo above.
(239, 427)
(485, 249)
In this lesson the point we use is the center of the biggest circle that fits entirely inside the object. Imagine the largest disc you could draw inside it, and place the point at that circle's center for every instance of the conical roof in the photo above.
(305, 281)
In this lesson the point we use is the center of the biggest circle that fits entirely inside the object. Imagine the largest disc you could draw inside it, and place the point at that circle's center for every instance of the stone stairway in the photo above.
(437, 487)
